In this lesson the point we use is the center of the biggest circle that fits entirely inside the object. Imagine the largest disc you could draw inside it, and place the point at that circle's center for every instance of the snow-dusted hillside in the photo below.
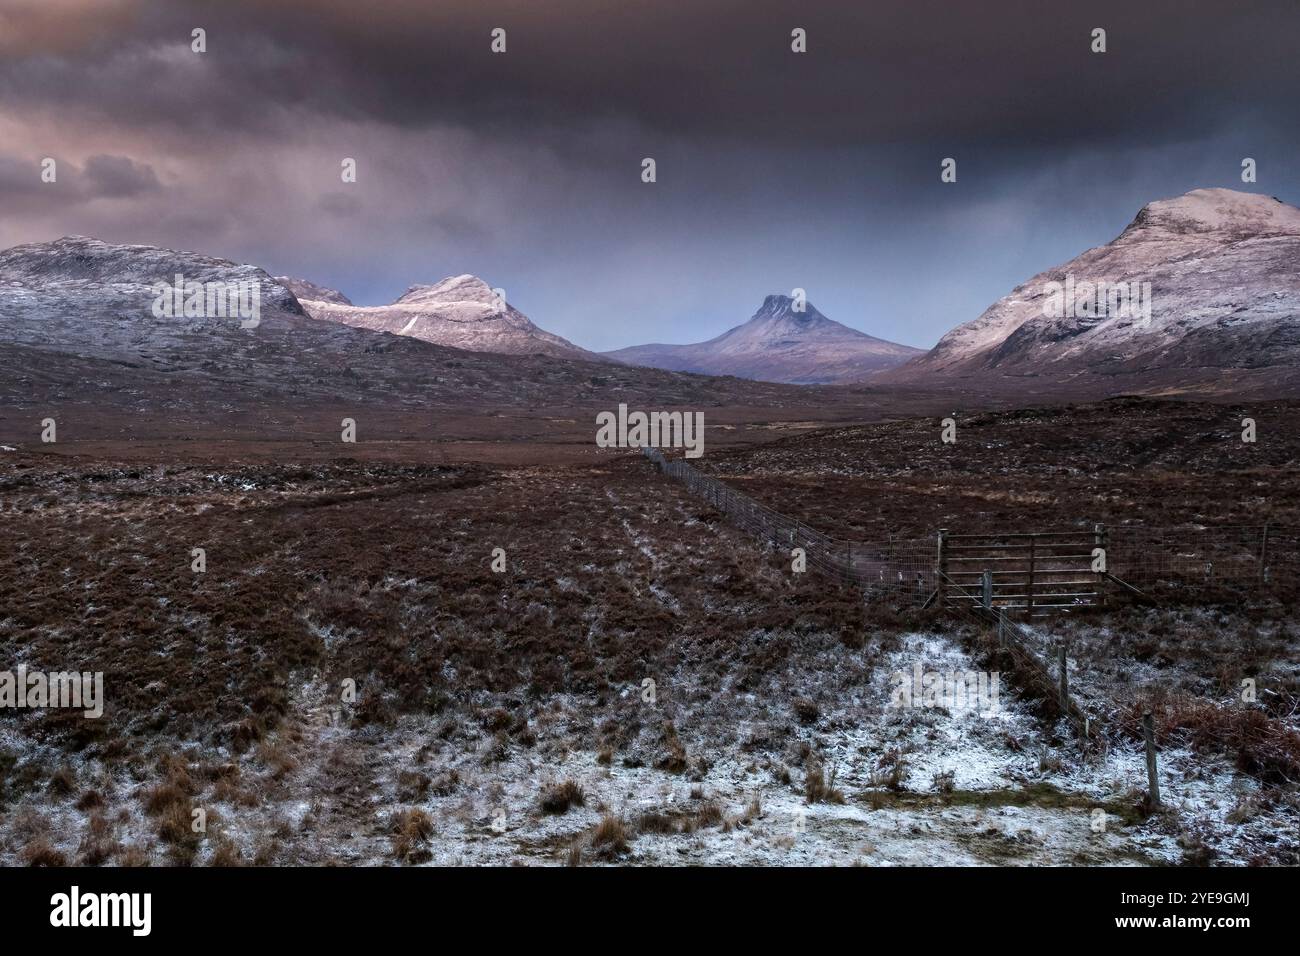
(305, 290)
(460, 311)
(97, 299)
(91, 270)
(1223, 269)
(779, 344)
(79, 340)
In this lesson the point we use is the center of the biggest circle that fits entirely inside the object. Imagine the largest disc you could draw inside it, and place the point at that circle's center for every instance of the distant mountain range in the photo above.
(779, 344)
(80, 341)
(460, 311)
(1211, 306)
(1217, 277)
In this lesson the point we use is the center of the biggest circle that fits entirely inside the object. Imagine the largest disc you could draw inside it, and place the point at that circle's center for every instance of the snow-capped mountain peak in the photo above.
(460, 311)
(461, 288)
(1216, 211)
(1200, 288)
(782, 342)
(784, 308)
(305, 290)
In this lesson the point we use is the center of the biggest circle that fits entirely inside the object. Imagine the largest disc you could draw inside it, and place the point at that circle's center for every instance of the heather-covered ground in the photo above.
(641, 683)
(1123, 461)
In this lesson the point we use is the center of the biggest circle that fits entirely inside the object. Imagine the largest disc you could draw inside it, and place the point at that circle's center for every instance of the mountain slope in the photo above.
(78, 264)
(779, 345)
(305, 290)
(460, 311)
(79, 342)
(1223, 269)
(95, 298)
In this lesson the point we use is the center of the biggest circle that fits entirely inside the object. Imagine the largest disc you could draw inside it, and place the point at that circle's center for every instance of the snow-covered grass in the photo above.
(716, 708)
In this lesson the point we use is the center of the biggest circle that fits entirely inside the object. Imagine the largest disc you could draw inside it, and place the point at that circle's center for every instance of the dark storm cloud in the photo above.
(1008, 72)
(19, 180)
(775, 170)
(102, 177)
(118, 177)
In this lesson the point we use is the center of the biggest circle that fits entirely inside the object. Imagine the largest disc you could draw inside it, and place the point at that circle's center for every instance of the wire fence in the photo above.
(1030, 653)
(1258, 557)
(1262, 557)
(897, 566)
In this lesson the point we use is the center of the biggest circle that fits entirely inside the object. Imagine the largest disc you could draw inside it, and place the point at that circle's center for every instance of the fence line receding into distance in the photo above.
(1137, 557)
(1256, 556)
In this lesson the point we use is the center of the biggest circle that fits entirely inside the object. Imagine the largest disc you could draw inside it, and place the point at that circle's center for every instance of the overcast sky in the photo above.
(775, 169)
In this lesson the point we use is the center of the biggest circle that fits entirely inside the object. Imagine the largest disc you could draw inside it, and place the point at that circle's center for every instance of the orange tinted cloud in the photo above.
(60, 26)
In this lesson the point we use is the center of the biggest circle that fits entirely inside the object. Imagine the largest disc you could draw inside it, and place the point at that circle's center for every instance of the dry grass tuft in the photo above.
(805, 710)
(675, 759)
(818, 787)
(1262, 746)
(63, 782)
(410, 831)
(610, 838)
(40, 853)
(652, 821)
(560, 797)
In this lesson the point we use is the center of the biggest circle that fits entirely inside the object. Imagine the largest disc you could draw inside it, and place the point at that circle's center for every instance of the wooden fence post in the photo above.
(1100, 539)
(941, 564)
(1029, 584)
(1263, 555)
(1149, 732)
(1064, 672)
(988, 590)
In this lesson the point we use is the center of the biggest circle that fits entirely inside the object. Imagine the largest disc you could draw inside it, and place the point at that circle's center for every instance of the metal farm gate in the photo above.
(1029, 574)
(1034, 574)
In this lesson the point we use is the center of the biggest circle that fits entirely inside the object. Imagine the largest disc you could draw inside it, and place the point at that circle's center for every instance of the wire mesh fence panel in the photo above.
(981, 577)
(1257, 557)
(896, 566)
(1043, 571)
